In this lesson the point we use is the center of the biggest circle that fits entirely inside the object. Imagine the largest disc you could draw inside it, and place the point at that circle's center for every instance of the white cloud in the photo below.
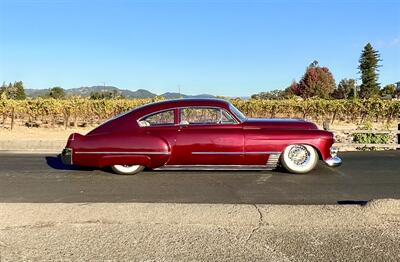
(394, 43)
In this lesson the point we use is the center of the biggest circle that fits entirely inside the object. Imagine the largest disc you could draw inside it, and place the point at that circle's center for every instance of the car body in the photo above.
(201, 134)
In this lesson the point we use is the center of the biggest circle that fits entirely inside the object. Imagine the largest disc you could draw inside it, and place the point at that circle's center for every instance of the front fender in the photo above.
(278, 140)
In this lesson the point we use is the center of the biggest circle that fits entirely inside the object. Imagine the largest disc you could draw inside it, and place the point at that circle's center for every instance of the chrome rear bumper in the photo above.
(334, 160)
(66, 156)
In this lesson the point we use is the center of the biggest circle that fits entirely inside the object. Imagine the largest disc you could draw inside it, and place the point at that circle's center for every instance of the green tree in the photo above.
(57, 92)
(3, 90)
(388, 90)
(317, 81)
(368, 68)
(101, 95)
(106, 95)
(19, 90)
(13, 91)
(345, 89)
(8, 91)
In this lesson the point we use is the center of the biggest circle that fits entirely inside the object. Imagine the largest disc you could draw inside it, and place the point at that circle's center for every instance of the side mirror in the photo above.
(184, 123)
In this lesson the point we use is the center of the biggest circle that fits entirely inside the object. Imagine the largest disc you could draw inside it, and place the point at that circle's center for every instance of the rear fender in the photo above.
(113, 143)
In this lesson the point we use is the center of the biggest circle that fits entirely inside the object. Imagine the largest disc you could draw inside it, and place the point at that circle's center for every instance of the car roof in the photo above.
(183, 102)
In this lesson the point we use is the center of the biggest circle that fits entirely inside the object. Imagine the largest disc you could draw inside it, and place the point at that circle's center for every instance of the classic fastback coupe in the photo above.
(200, 134)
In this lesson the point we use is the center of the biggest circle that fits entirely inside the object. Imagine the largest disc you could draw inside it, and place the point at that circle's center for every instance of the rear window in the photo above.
(158, 119)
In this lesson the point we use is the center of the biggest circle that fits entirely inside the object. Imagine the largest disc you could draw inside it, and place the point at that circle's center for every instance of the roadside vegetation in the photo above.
(84, 111)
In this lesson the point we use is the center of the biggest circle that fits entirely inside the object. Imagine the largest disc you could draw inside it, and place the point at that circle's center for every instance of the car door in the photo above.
(162, 124)
(208, 136)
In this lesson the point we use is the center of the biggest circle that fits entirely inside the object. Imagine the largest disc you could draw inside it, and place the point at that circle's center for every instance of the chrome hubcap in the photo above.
(299, 155)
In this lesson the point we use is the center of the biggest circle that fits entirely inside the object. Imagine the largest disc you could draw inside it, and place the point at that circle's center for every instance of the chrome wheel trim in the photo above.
(126, 168)
(299, 155)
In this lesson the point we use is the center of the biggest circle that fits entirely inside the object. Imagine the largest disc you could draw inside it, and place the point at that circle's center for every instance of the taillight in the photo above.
(71, 138)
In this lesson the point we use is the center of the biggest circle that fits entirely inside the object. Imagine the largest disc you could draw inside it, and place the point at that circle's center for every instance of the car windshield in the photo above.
(237, 113)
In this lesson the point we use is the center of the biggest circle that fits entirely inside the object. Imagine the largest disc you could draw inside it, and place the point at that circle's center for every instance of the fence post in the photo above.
(12, 117)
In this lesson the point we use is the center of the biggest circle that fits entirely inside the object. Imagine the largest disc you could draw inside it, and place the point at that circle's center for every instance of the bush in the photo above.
(360, 138)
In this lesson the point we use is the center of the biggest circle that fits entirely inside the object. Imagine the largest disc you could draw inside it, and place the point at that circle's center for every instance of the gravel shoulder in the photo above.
(193, 232)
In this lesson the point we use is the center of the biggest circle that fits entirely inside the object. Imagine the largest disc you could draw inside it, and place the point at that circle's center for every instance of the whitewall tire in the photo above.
(299, 159)
(127, 170)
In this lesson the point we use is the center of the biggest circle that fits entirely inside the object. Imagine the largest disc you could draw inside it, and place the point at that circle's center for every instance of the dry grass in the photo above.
(26, 133)
(21, 132)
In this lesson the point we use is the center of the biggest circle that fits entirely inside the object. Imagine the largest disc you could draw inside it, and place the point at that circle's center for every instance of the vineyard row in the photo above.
(92, 111)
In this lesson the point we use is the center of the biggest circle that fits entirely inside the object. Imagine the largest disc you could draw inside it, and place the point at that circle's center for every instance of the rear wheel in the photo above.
(127, 169)
(299, 159)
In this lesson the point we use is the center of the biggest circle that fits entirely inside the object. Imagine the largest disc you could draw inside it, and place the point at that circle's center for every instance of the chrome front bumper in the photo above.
(334, 160)
(66, 156)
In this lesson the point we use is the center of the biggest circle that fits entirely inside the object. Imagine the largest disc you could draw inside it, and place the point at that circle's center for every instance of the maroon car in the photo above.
(200, 134)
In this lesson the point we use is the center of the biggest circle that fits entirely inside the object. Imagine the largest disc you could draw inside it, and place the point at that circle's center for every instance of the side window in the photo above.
(227, 118)
(158, 119)
(204, 115)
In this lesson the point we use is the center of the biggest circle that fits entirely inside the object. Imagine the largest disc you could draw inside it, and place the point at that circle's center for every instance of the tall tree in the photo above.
(368, 68)
(317, 81)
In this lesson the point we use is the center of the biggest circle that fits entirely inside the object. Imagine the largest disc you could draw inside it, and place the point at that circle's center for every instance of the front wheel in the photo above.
(299, 159)
(127, 169)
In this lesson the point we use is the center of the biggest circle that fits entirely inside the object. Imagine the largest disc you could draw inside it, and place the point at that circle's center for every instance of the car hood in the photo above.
(279, 123)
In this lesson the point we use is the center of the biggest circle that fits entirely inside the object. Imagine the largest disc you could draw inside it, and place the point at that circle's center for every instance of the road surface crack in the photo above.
(260, 222)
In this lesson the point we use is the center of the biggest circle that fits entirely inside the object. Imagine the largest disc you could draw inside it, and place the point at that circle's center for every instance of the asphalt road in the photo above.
(42, 178)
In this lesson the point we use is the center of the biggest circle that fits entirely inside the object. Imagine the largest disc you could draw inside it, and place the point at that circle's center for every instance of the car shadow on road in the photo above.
(353, 202)
(56, 163)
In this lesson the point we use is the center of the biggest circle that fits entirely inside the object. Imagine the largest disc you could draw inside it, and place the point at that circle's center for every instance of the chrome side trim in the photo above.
(217, 153)
(235, 153)
(121, 153)
(261, 153)
(213, 167)
(273, 160)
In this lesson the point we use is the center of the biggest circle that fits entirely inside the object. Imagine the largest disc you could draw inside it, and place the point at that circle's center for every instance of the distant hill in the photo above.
(172, 95)
(85, 91)
(35, 92)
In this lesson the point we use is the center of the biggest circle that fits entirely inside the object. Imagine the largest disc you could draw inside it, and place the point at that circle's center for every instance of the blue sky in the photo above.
(232, 48)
